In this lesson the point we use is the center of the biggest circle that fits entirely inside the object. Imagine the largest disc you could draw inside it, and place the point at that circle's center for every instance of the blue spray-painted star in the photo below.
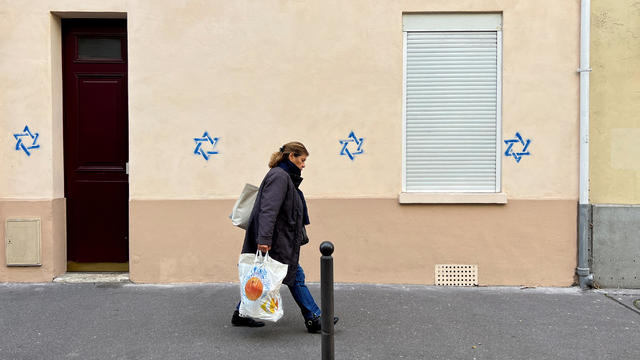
(20, 144)
(205, 138)
(352, 138)
(517, 155)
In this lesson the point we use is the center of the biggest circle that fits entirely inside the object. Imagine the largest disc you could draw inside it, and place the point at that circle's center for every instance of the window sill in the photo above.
(452, 198)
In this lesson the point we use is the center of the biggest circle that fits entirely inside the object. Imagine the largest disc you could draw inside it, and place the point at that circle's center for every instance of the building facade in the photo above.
(614, 133)
(439, 133)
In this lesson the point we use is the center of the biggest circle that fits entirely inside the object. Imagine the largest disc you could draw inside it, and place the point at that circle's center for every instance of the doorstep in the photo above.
(93, 277)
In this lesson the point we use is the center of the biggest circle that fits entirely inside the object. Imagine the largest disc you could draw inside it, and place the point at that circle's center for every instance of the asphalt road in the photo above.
(128, 321)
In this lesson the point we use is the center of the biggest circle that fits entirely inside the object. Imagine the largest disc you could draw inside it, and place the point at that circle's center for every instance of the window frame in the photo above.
(458, 194)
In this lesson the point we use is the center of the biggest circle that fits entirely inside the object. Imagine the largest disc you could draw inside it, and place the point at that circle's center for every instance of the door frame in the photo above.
(58, 72)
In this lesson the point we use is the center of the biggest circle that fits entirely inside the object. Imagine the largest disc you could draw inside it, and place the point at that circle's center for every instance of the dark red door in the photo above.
(96, 139)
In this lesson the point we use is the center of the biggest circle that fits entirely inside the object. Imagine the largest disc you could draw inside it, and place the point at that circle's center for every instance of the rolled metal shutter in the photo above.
(451, 111)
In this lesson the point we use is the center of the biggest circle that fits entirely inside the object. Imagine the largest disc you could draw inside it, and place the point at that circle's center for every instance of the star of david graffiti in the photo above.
(517, 154)
(30, 138)
(199, 150)
(352, 139)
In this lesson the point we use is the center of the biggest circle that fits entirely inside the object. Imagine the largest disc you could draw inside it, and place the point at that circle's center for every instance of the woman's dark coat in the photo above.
(276, 220)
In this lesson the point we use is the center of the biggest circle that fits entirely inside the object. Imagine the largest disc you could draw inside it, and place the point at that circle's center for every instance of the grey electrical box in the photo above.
(22, 242)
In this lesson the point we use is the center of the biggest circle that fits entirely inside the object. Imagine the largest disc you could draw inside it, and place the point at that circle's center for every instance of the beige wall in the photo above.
(285, 70)
(615, 102)
(259, 73)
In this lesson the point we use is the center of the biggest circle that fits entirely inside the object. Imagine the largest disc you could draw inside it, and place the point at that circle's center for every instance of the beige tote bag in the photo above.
(242, 209)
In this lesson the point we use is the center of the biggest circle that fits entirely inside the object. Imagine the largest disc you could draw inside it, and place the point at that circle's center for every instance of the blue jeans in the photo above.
(302, 296)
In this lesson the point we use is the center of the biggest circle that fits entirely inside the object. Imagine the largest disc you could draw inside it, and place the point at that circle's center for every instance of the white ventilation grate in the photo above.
(456, 275)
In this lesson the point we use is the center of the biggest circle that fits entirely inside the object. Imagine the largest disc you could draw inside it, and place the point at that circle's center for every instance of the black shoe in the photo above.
(314, 325)
(237, 320)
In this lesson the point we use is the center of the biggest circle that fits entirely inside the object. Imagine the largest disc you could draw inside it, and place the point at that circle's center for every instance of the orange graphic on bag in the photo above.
(253, 288)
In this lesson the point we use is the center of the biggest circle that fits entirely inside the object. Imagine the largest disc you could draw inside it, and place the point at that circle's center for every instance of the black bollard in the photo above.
(326, 289)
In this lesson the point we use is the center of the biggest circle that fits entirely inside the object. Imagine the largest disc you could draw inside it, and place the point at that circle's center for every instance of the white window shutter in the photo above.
(452, 111)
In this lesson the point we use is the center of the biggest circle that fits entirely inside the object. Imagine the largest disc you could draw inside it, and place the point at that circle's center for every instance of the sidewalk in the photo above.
(129, 321)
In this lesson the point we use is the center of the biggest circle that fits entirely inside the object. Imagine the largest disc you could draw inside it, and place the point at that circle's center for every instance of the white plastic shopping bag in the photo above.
(260, 281)
(243, 207)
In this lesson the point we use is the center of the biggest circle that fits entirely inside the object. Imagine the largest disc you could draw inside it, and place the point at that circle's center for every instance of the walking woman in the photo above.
(277, 225)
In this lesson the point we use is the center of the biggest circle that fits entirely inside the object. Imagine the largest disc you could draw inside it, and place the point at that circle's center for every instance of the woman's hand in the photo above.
(264, 248)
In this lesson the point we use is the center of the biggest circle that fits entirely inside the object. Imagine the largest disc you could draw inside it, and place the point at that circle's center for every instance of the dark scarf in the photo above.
(294, 173)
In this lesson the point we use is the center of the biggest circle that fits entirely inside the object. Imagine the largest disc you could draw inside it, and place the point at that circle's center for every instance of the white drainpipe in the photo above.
(584, 208)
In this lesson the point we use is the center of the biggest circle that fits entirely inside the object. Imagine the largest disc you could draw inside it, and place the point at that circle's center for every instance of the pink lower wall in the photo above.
(52, 214)
(525, 242)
